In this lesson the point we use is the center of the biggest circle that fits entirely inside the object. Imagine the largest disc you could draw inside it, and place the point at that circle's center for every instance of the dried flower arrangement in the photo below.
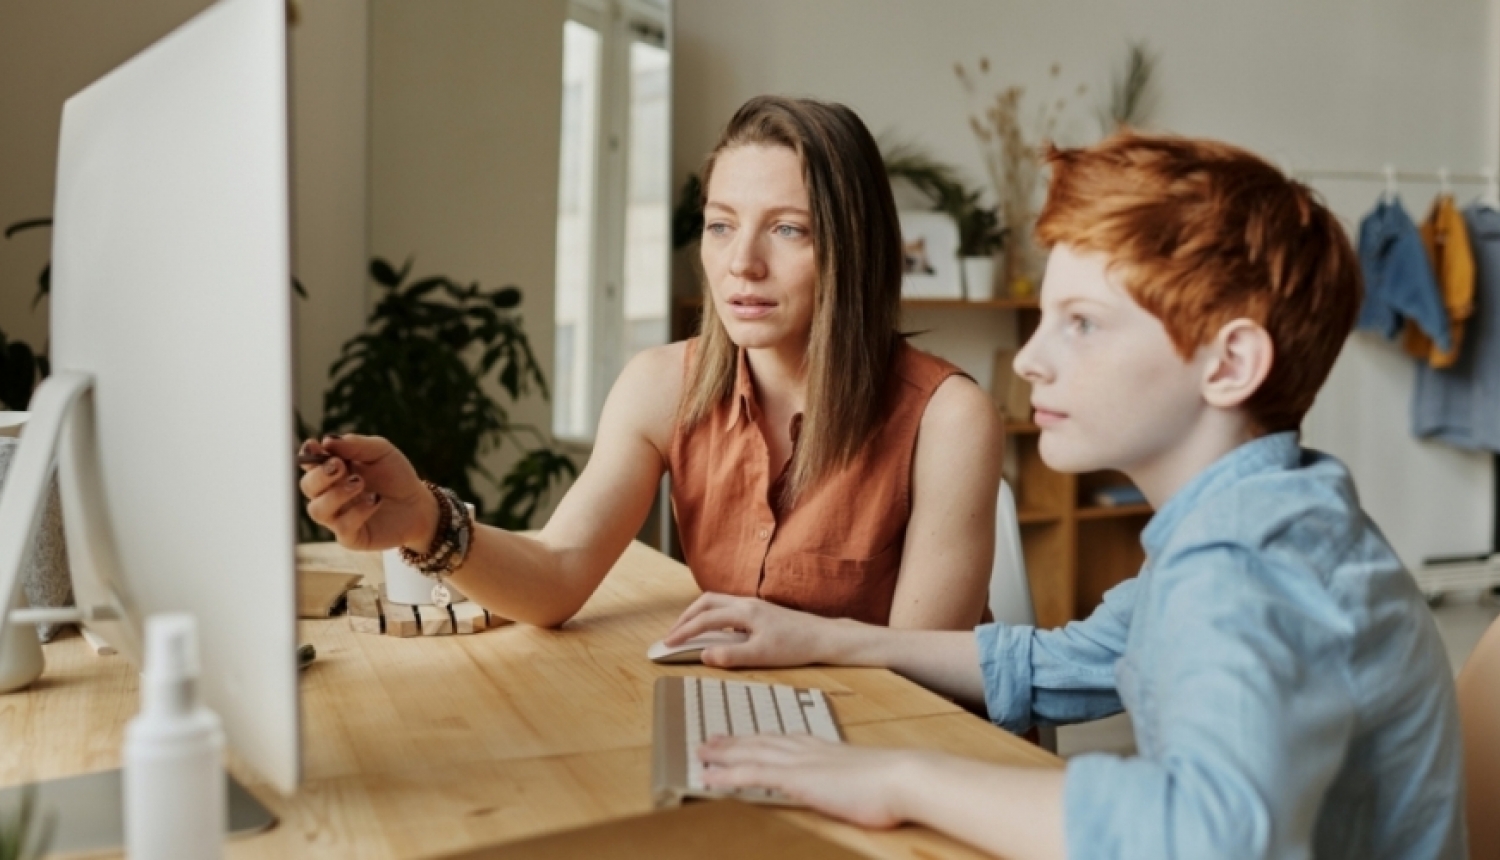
(1010, 143)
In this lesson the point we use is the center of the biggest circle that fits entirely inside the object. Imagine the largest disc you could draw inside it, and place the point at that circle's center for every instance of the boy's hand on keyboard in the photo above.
(856, 784)
(777, 636)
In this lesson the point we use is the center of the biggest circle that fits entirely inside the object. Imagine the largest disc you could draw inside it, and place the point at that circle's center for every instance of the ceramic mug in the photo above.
(406, 585)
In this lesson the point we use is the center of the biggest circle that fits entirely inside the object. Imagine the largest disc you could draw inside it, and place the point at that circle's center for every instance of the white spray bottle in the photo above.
(175, 805)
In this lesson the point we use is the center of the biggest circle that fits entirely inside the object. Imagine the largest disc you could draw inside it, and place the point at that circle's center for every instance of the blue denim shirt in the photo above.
(1399, 282)
(1289, 692)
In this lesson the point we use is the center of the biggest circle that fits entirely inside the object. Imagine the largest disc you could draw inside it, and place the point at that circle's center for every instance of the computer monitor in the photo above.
(170, 405)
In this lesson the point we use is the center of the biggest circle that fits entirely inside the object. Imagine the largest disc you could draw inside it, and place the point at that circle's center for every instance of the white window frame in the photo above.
(619, 23)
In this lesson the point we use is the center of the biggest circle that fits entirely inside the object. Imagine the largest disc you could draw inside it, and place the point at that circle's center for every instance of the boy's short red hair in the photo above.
(1201, 233)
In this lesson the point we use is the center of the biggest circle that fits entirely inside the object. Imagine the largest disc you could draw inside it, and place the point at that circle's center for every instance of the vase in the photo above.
(979, 278)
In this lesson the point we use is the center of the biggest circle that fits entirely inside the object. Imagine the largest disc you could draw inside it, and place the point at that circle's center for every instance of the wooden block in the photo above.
(470, 616)
(364, 602)
(400, 620)
(434, 621)
(366, 625)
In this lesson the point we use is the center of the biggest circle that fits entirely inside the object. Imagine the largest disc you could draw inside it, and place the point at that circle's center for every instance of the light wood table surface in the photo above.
(430, 745)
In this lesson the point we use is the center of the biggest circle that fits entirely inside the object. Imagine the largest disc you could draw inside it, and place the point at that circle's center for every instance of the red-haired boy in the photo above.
(1289, 692)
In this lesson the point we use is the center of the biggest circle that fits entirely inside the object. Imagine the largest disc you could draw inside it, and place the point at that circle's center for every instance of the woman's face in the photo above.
(758, 247)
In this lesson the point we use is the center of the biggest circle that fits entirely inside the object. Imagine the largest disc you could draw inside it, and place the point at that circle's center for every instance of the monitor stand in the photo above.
(89, 810)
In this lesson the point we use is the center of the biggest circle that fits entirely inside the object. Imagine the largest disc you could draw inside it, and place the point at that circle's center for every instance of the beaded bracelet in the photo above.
(449, 546)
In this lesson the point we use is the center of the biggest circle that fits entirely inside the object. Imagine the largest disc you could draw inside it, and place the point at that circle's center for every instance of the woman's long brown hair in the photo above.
(857, 241)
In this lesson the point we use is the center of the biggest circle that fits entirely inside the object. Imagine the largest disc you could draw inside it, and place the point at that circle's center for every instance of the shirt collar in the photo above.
(1274, 452)
(744, 391)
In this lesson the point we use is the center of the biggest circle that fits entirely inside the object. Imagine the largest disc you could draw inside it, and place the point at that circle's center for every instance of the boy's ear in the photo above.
(1241, 359)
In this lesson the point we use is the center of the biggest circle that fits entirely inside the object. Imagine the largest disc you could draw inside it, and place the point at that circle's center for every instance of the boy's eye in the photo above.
(1081, 324)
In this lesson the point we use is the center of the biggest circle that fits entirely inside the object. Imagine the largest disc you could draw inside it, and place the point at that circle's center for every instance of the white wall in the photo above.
(1333, 84)
(330, 97)
(465, 111)
(48, 51)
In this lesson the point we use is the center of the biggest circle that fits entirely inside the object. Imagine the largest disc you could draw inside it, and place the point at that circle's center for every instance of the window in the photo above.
(614, 202)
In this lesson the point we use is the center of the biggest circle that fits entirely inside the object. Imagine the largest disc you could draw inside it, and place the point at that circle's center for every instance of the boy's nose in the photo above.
(1029, 363)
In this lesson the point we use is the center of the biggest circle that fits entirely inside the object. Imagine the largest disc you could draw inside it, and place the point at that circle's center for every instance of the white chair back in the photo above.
(1010, 591)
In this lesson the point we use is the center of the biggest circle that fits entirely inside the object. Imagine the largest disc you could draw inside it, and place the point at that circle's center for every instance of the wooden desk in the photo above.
(415, 747)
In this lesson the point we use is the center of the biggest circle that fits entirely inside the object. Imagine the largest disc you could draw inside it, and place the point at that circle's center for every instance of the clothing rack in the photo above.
(1443, 177)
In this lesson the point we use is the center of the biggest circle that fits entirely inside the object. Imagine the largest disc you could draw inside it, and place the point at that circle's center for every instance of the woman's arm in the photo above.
(371, 499)
(950, 537)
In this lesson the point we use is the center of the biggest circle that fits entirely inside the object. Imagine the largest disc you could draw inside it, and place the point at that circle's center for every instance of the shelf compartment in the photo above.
(1037, 516)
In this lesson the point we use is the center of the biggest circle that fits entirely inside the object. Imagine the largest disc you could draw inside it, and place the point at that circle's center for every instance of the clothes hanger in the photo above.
(1445, 184)
(1491, 195)
(1390, 182)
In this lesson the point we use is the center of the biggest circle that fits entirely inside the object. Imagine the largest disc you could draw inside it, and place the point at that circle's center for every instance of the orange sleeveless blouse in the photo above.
(837, 552)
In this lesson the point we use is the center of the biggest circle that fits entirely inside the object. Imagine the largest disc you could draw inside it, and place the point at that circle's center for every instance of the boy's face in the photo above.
(1109, 390)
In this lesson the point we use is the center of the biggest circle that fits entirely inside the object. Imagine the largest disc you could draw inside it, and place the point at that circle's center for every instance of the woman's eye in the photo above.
(789, 231)
(716, 228)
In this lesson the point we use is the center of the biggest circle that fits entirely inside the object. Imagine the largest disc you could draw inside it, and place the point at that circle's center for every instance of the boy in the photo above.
(1289, 693)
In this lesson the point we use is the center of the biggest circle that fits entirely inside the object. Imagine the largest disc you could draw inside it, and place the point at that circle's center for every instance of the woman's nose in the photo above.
(746, 261)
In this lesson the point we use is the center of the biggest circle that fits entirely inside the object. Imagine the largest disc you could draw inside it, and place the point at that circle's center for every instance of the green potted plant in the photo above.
(21, 366)
(420, 374)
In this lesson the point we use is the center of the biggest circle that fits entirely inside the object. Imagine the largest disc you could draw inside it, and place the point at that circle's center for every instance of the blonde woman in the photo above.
(818, 461)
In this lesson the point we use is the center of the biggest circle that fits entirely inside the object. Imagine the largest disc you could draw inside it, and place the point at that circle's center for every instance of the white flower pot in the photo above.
(979, 278)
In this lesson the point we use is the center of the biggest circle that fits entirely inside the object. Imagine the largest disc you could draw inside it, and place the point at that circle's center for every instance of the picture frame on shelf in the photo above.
(929, 251)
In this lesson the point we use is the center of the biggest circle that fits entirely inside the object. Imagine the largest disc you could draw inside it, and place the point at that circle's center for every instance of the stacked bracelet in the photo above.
(449, 546)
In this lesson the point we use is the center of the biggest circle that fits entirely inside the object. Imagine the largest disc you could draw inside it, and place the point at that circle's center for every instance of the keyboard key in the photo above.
(715, 719)
(790, 711)
(741, 714)
(820, 718)
(694, 724)
(766, 720)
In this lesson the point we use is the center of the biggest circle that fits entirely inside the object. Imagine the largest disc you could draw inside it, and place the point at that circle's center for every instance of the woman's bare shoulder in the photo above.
(959, 410)
(649, 388)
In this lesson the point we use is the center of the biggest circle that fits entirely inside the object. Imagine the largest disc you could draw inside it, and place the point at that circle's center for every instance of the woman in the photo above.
(817, 460)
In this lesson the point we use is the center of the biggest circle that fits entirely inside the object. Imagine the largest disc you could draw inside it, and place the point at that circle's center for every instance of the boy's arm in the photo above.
(1246, 717)
(1060, 676)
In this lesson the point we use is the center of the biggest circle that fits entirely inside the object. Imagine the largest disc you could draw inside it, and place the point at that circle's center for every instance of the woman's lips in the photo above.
(750, 307)
(1046, 417)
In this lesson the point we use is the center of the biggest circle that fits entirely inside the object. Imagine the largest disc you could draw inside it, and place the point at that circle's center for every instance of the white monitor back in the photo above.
(172, 287)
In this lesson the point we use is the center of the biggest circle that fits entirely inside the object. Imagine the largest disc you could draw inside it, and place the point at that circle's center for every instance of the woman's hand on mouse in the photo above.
(777, 636)
(367, 493)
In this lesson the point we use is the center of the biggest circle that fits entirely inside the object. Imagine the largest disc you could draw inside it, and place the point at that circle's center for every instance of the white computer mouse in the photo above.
(691, 651)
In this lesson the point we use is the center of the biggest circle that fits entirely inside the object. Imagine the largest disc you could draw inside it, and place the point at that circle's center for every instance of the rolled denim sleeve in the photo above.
(1252, 711)
(1058, 676)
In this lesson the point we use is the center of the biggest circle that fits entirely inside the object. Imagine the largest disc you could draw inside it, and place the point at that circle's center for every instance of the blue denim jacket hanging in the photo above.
(1460, 405)
(1399, 283)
